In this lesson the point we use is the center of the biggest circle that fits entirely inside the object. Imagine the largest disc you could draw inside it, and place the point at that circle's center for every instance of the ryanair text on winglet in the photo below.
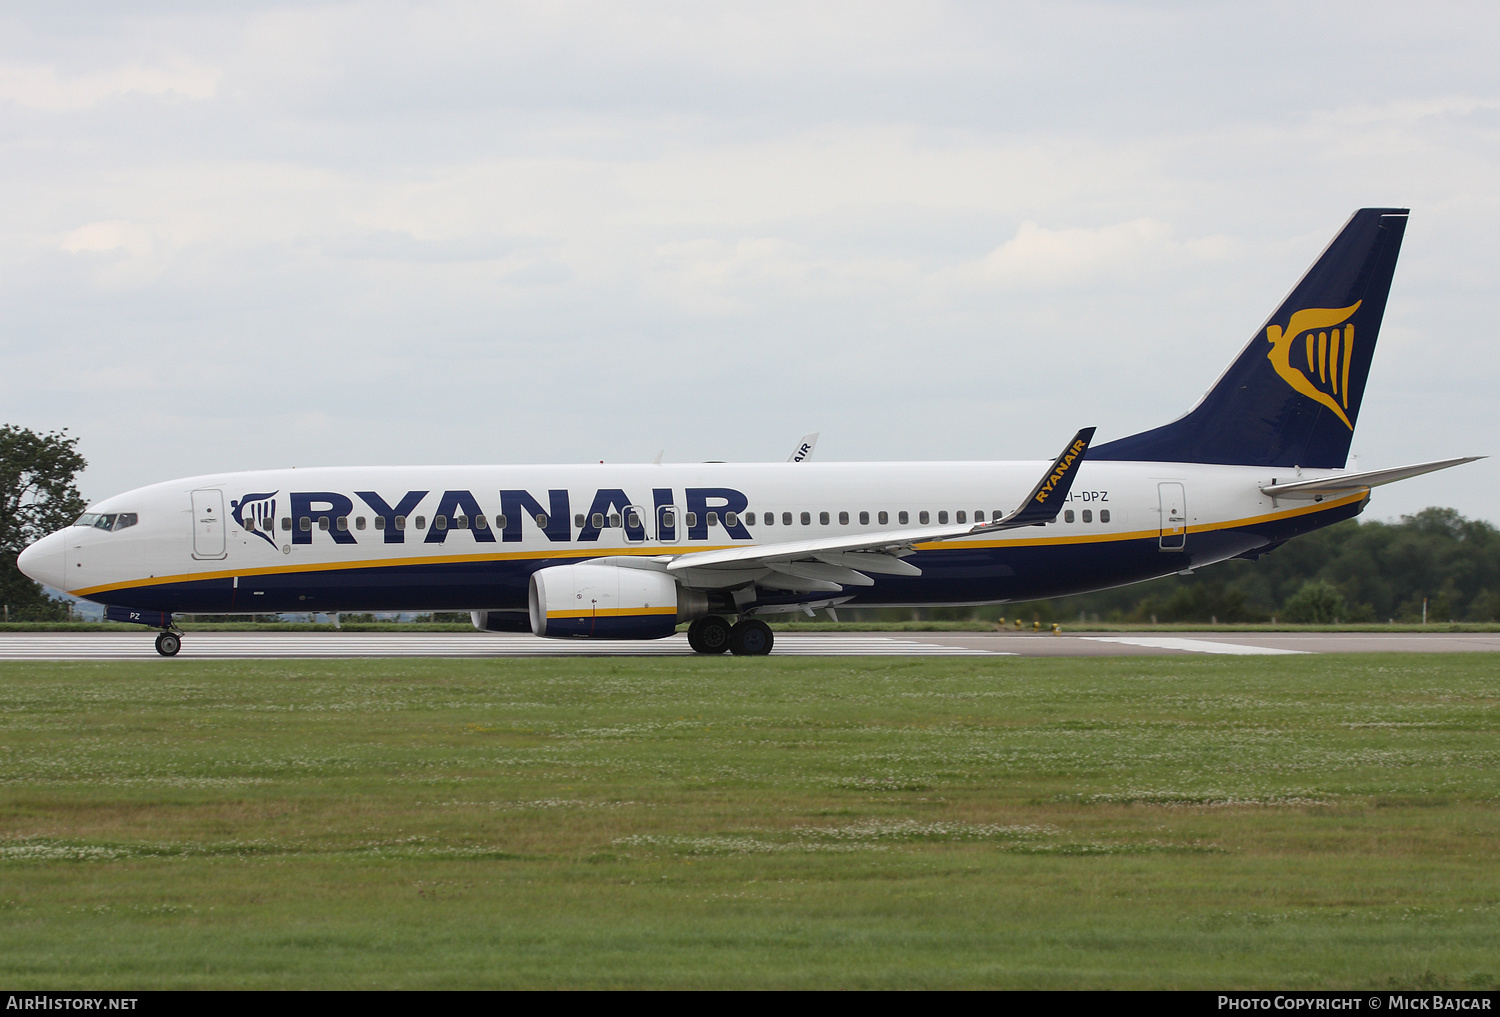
(1060, 470)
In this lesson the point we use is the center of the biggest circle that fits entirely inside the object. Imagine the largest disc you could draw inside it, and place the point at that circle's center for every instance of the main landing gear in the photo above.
(749, 638)
(168, 643)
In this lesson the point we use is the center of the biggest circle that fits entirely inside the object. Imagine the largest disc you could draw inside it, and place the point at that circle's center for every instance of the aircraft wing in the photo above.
(1344, 483)
(804, 448)
(828, 562)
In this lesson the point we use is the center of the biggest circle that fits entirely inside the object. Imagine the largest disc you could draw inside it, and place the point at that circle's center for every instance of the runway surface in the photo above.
(256, 645)
(264, 645)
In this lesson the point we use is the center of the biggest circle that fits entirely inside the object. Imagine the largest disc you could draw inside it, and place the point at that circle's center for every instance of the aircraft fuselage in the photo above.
(468, 538)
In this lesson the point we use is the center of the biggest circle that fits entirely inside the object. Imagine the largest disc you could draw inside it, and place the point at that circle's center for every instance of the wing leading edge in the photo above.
(841, 560)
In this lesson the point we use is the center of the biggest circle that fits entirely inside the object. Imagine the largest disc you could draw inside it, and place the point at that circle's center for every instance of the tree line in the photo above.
(1352, 571)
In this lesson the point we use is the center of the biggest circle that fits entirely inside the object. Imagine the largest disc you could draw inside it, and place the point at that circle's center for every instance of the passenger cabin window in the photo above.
(979, 515)
(421, 522)
(598, 520)
(305, 524)
(864, 519)
(960, 517)
(901, 517)
(460, 522)
(480, 523)
(439, 522)
(342, 523)
(731, 519)
(883, 519)
(1104, 515)
(359, 522)
(786, 519)
(250, 525)
(943, 517)
(500, 522)
(380, 522)
(633, 519)
(749, 518)
(823, 518)
(843, 519)
(690, 518)
(713, 519)
(578, 520)
(1068, 516)
(614, 519)
(922, 517)
(1088, 515)
(323, 523)
(541, 521)
(669, 518)
(807, 519)
(286, 523)
(400, 522)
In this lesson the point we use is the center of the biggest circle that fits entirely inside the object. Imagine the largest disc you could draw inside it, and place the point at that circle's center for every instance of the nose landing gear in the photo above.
(168, 642)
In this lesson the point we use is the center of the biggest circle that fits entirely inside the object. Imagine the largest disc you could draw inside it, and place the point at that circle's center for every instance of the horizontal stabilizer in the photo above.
(1322, 487)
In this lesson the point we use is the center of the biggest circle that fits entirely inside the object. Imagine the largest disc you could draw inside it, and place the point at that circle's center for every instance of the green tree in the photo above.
(1317, 603)
(38, 494)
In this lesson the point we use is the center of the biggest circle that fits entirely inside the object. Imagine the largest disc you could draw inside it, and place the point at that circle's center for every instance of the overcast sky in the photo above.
(251, 235)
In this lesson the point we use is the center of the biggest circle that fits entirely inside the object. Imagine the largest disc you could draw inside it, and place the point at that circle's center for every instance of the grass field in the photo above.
(1314, 821)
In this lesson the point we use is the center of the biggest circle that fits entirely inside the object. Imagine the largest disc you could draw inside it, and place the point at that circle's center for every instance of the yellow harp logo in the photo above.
(1314, 335)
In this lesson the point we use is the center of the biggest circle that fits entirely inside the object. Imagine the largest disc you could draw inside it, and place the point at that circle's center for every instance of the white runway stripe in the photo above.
(257, 645)
(1191, 645)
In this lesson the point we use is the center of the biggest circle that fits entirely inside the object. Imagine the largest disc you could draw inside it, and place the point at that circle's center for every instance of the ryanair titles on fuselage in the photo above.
(308, 511)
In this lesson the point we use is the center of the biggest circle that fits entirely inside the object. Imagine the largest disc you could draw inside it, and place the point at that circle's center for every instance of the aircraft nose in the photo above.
(43, 561)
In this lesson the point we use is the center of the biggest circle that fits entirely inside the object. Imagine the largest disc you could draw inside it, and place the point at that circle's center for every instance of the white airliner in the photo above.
(604, 551)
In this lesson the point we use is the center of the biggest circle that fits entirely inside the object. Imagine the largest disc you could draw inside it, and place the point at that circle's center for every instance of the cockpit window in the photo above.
(107, 520)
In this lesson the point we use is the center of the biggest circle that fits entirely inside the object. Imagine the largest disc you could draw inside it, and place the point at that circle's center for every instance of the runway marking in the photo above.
(256, 645)
(1192, 645)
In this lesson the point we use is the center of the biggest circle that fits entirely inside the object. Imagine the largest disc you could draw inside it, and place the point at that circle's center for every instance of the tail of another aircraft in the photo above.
(1292, 397)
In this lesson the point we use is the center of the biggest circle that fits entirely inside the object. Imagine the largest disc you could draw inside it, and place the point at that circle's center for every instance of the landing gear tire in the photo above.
(168, 643)
(709, 635)
(751, 638)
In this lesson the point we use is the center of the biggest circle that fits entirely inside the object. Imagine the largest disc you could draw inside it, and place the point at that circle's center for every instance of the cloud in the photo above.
(1055, 258)
(108, 235)
(42, 87)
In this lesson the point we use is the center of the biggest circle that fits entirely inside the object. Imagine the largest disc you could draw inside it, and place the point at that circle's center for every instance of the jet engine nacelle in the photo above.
(608, 602)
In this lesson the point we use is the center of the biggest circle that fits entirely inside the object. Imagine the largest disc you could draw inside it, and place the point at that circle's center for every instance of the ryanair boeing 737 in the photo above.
(631, 551)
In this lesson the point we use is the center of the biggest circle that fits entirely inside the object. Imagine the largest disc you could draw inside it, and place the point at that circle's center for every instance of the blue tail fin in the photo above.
(1292, 397)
